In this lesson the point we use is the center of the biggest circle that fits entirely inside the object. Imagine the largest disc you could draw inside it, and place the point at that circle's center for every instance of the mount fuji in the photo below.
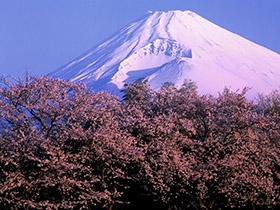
(175, 46)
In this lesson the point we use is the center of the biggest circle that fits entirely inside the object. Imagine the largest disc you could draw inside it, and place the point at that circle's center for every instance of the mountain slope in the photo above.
(172, 47)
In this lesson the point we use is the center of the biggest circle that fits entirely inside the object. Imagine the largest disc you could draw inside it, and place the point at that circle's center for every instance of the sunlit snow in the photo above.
(172, 47)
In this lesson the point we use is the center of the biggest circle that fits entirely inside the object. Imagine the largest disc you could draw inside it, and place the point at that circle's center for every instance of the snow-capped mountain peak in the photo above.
(174, 46)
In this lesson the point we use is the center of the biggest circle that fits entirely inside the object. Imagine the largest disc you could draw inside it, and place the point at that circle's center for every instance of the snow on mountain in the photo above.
(174, 46)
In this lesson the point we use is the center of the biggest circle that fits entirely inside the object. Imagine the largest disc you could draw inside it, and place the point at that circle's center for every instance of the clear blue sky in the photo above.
(39, 36)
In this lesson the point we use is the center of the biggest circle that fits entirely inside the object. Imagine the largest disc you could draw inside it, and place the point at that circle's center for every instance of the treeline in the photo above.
(64, 147)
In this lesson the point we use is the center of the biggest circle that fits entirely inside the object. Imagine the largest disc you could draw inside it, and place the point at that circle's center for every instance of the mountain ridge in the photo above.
(146, 47)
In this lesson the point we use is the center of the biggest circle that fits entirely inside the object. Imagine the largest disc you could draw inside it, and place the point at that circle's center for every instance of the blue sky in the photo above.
(39, 36)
